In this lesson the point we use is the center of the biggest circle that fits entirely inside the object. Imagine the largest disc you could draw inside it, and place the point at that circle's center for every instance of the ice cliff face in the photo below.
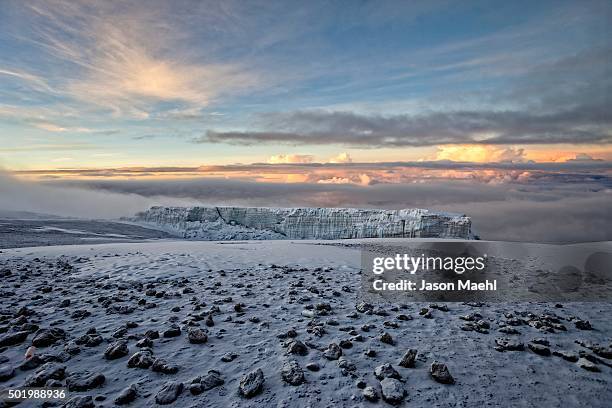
(235, 223)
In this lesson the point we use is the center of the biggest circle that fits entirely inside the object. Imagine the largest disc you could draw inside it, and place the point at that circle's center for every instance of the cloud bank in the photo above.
(550, 208)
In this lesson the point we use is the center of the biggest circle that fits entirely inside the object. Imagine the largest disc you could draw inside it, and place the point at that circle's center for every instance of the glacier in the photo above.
(246, 223)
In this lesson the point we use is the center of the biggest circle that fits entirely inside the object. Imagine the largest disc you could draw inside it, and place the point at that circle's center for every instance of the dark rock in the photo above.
(566, 355)
(386, 371)
(346, 367)
(141, 359)
(6, 373)
(333, 352)
(209, 381)
(116, 350)
(251, 383)
(588, 365)
(386, 338)
(173, 331)
(197, 336)
(162, 366)
(127, 395)
(370, 394)
(13, 339)
(144, 342)
(297, 347)
(84, 382)
(89, 340)
(313, 367)
(392, 391)
(169, 392)
(31, 363)
(505, 344)
(583, 325)
(47, 372)
(408, 359)
(539, 349)
(228, 357)
(72, 348)
(79, 402)
(292, 373)
(364, 307)
(152, 334)
(346, 344)
(440, 373)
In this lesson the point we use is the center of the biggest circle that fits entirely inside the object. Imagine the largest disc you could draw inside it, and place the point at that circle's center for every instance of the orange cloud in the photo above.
(480, 153)
(290, 158)
(341, 158)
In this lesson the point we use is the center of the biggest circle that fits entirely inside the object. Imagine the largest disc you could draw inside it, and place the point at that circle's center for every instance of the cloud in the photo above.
(584, 124)
(549, 210)
(583, 157)
(35, 82)
(480, 153)
(116, 63)
(341, 158)
(50, 127)
(19, 195)
(290, 158)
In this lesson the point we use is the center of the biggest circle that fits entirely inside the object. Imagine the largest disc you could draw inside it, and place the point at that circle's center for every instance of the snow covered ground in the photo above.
(244, 306)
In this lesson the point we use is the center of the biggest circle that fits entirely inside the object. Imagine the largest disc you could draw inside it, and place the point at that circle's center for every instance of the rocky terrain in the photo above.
(277, 323)
(230, 223)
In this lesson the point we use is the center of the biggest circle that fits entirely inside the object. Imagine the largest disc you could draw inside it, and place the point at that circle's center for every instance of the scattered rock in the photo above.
(292, 373)
(440, 373)
(197, 336)
(506, 344)
(313, 367)
(364, 307)
(333, 352)
(297, 347)
(162, 366)
(588, 365)
(566, 355)
(583, 325)
(539, 349)
(89, 340)
(386, 371)
(173, 331)
(84, 382)
(6, 373)
(141, 359)
(346, 344)
(127, 395)
(49, 371)
(228, 357)
(370, 394)
(251, 383)
(209, 381)
(169, 392)
(80, 402)
(13, 339)
(47, 337)
(386, 338)
(408, 359)
(392, 391)
(116, 350)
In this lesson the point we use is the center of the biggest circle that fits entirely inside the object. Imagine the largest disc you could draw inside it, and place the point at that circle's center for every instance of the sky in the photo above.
(107, 84)
(333, 94)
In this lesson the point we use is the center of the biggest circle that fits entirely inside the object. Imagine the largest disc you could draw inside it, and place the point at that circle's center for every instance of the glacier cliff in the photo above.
(240, 223)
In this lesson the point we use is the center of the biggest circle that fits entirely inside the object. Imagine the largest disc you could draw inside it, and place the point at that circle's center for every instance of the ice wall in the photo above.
(228, 223)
